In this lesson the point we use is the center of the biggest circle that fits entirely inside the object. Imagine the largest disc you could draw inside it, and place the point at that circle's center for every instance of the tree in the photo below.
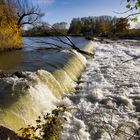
(9, 32)
(133, 6)
(121, 25)
(87, 25)
(61, 27)
(133, 9)
(75, 27)
(14, 14)
(26, 13)
(103, 25)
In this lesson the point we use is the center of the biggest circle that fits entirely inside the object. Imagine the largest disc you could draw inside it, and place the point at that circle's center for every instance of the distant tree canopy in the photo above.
(75, 27)
(98, 25)
(102, 25)
(44, 29)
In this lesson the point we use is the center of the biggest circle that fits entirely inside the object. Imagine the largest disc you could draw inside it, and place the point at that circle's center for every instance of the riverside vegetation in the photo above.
(9, 32)
(48, 126)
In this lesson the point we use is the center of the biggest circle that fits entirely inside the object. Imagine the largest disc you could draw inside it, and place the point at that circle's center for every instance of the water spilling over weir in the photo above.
(23, 99)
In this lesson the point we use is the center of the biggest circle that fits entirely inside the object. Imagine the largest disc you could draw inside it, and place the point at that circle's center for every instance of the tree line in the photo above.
(98, 25)
(85, 26)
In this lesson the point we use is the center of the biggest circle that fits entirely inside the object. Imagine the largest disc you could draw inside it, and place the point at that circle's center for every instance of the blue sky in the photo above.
(65, 10)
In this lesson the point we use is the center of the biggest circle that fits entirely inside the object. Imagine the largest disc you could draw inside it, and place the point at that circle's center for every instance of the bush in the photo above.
(48, 126)
(9, 32)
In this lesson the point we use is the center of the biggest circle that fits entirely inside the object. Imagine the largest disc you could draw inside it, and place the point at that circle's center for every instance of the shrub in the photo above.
(48, 126)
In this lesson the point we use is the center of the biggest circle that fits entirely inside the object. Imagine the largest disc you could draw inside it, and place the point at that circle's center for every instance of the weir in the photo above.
(23, 99)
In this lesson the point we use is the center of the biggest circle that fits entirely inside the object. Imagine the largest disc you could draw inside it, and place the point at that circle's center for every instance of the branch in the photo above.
(28, 22)
(134, 7)
(136, 132)
(72, 45)
(21, 17)
(48, 43)
(59, 39)
(124, 11)
(133, 14)
(134, 58)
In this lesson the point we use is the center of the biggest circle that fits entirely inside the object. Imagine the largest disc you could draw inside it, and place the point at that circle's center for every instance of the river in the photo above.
(33, 56)
(48, 75)
(105, 102)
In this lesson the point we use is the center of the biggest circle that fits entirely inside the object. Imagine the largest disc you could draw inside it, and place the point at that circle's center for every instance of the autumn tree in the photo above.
(14, 14)
(121, 25)
(9, 32)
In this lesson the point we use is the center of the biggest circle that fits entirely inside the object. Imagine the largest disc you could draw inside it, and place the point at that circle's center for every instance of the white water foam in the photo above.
(107, 100)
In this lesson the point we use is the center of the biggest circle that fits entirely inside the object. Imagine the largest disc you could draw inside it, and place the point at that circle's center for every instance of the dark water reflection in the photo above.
(30, 58)
(10, 60)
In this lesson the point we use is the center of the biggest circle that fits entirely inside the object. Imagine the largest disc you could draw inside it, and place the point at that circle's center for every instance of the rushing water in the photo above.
(48, 74)
(106, 103)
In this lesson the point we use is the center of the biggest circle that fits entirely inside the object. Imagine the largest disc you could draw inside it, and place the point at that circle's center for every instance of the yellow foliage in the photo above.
(48, 126)
(9, 32)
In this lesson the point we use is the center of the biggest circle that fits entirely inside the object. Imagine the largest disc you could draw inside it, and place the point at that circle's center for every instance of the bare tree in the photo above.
(24, 11)
(27, 13)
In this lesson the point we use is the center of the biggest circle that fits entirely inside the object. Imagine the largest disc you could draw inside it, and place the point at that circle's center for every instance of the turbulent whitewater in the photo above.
(107, 102)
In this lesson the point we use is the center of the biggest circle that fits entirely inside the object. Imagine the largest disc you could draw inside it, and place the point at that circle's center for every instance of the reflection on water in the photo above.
(9, 60)
(32, 58)
(32, 43)
(49, 60)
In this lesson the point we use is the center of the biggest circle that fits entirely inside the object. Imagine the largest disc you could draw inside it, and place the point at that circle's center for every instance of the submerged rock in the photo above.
(20, 74)
(2, 74)
(7, 134)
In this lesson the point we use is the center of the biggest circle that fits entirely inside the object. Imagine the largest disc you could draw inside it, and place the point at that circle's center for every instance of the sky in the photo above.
(65, 10)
